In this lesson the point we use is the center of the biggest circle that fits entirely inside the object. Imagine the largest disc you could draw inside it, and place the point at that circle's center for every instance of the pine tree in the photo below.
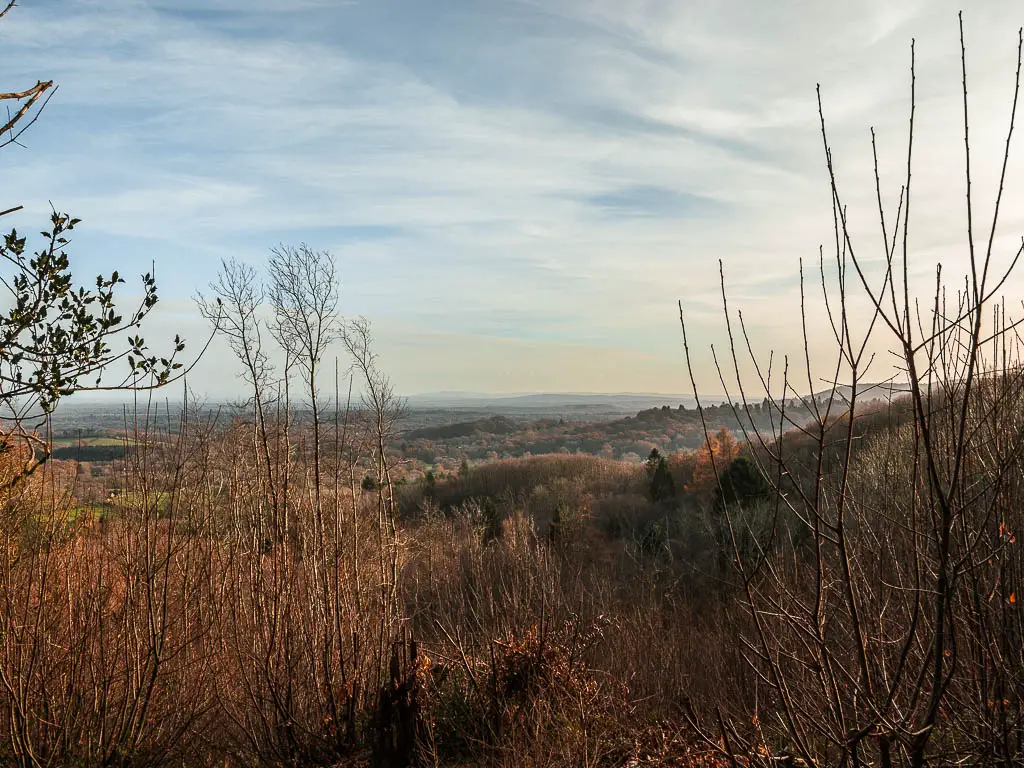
(663, 487)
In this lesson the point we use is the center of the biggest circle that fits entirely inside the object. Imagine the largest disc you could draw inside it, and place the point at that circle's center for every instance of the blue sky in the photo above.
(518, 191)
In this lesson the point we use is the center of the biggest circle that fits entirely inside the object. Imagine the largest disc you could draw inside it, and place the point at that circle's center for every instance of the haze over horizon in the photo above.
(518, 192)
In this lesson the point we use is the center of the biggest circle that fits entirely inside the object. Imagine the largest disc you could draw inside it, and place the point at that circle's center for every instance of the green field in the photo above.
(73, 442)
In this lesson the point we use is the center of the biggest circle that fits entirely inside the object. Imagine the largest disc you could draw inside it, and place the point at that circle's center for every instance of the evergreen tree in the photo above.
(494, 523)
(651, 464)
(663, 487)
(741, 483)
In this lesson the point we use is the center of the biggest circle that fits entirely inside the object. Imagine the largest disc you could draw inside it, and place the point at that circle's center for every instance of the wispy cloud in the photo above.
(547, 175)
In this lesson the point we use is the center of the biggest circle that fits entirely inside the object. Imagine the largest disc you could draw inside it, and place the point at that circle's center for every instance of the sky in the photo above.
(518, 192)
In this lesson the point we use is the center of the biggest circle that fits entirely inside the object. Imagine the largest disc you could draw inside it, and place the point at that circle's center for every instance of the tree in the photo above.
(714, 454)
(494, 521)
(663, 487)
(28, 104)
(304, 294)
(881, 624)
(57, 338)
(651, 463)
(236, 296)
(737, 494)
(741, 483)
(382, 410)
(232, 310)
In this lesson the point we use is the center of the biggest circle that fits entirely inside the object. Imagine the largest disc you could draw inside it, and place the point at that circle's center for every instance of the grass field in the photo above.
(72, 442)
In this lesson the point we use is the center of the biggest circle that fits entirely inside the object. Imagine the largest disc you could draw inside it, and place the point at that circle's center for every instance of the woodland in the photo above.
(796, 577)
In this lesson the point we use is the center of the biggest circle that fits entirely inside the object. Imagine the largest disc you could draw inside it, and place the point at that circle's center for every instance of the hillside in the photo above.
(494, 425)
(630, 438)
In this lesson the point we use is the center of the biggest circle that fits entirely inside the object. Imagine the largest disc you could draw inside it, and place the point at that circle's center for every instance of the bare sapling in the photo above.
(881, 621)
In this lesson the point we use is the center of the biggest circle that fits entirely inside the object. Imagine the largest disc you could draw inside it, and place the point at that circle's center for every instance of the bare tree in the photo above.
(871, 637)
(384, 410)
(304, 294)
(237, 295)
(28, 104)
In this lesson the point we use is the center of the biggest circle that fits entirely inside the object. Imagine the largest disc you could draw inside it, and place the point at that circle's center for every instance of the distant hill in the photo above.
(624, 402)
(886, 390)
(481, 434)
(494, 425)
(551, 401)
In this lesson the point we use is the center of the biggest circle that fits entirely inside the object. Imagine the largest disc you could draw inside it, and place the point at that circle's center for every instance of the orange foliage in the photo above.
(724, 448)
(17, 465)
(26, 478)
